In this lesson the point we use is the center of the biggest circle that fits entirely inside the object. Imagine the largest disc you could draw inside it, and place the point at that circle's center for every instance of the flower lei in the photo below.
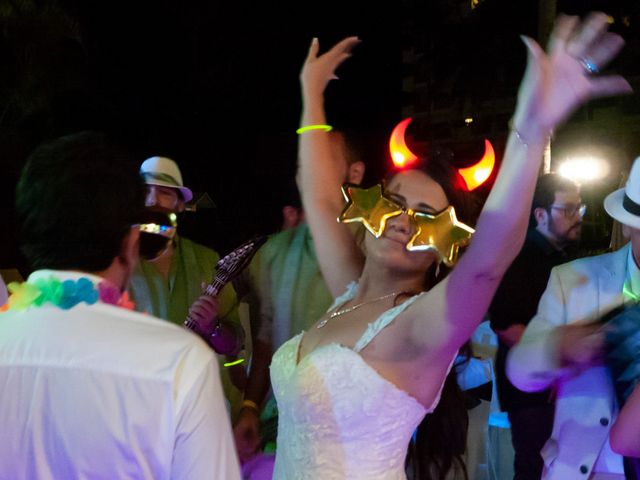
(64, 294)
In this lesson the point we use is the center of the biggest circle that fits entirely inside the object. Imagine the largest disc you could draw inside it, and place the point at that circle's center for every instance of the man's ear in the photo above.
(355, 174)
(541, 215)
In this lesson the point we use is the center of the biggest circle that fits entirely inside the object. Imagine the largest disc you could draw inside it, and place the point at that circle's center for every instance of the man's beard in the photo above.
(564, 239)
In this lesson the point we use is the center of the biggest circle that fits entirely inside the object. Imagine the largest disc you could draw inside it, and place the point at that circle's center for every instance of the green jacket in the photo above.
(192, 265)
(291, 292)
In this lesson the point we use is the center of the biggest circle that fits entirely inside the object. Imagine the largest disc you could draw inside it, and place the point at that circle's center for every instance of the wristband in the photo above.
(307, 128)
(524, 142)
(233, 363)
(250, 404)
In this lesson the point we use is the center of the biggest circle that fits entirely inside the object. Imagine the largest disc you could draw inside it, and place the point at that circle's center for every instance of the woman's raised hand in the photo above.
(558, 82)
(317, 71)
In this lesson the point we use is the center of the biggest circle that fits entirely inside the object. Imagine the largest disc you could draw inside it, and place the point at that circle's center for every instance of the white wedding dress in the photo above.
(338, 418)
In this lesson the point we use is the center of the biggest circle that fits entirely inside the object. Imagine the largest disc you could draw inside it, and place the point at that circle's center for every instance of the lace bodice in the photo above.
(338, 418)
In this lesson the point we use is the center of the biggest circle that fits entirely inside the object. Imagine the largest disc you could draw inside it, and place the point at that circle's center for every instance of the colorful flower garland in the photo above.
(64, 294)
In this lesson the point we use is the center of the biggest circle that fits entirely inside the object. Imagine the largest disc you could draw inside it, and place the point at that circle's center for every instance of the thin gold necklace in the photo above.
(337, 313)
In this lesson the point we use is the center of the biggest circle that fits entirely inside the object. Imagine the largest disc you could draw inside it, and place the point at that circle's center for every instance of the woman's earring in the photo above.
(437, 268)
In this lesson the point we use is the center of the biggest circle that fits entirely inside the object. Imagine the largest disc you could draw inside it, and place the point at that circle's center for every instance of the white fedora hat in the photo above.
(624, 204)
(164, 172)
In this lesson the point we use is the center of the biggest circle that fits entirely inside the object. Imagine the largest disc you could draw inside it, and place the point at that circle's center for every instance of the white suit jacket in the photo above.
(582, 290)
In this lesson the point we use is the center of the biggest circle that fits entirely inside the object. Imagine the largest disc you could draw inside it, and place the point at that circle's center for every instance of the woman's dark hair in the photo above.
(438, 165)
(437, 449)
(440, 440)
(75, 201)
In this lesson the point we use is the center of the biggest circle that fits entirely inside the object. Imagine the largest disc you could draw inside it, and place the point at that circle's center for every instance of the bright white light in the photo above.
(584, 169)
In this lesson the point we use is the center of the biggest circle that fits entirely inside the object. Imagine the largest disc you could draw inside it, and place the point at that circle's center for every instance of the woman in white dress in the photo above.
(353, 388)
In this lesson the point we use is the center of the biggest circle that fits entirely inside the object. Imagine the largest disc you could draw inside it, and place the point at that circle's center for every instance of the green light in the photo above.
(236, 362)
(326, 128)
(629, 294)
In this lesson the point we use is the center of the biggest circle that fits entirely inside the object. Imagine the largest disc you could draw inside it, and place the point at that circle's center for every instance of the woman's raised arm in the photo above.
(322, 170)
(554, 85)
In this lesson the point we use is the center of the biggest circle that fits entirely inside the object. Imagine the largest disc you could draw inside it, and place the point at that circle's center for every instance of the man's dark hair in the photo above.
(545, 193)
(76, 199)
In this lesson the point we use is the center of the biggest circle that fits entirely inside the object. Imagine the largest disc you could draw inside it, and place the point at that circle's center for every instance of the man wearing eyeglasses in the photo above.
(561, 222)
(554, 227)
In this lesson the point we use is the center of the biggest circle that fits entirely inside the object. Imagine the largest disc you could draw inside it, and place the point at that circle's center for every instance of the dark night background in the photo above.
(214, 85)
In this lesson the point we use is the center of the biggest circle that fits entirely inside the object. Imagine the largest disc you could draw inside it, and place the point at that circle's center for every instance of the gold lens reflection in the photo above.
(441, 233)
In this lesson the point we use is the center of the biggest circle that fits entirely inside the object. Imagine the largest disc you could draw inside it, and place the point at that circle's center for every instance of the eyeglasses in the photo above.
(571, 210)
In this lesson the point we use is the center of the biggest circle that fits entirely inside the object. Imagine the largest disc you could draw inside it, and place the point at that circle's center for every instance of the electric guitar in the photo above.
(226, 338)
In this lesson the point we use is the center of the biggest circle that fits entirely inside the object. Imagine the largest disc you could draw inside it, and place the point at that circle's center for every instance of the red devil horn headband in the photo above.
(403, 157)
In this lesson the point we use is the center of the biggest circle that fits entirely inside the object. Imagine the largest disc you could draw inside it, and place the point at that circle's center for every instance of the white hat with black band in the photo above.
(624, 204)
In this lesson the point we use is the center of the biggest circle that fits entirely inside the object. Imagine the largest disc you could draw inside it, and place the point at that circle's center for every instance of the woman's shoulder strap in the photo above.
(381, 322)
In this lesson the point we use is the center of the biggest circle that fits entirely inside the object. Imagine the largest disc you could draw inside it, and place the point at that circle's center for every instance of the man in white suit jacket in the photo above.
(559, 349)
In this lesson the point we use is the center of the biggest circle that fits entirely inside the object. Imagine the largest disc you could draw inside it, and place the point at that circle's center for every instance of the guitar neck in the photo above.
(214, 287)
(228, 267)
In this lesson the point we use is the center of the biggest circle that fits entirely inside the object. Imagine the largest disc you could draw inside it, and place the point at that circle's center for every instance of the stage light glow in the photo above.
(584, 169)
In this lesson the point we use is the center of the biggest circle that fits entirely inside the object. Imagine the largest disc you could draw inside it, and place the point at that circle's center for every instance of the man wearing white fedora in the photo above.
(563, 348)
(167, 286)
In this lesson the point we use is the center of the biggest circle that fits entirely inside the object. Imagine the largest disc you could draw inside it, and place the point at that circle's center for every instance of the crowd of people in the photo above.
(357, 331)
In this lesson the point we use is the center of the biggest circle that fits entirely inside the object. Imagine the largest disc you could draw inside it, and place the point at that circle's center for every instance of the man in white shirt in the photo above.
(562, 347)
(90, 388)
